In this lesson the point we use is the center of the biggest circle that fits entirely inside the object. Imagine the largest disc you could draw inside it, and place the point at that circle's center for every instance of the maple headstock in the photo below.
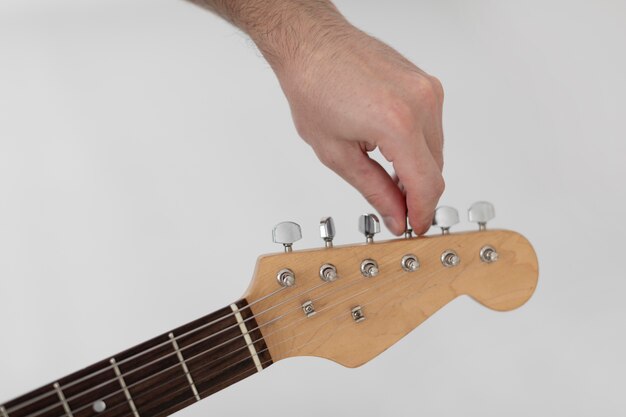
(353, 318)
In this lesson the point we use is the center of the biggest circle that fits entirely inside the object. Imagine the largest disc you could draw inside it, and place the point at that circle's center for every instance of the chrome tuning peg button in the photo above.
(286, 233)
(327, 231)
(369, 225)
(445, 217)
(481, 212)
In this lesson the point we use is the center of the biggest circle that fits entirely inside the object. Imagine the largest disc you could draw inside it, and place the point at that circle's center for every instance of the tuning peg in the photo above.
(445, 217)
(286, 233)
(481, 212)
(408, 231)
(369, 225)
(327, 231)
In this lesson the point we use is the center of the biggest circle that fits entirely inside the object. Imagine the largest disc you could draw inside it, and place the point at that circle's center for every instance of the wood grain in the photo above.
(215, 350)
(394, 302)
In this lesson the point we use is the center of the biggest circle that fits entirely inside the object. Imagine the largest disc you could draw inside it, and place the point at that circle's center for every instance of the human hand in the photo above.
(349, 94)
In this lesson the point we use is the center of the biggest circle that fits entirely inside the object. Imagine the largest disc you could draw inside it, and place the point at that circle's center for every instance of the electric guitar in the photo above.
(344, 303)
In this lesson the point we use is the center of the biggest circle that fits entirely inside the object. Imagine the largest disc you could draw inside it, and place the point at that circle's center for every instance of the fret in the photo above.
(118, 373)
(64, 403)
(181, 359)
(214, 347)
(231, 359)
(246, 337)
(158, 377)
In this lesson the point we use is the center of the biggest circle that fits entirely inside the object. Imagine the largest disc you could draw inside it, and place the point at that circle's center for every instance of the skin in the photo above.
(349, 94)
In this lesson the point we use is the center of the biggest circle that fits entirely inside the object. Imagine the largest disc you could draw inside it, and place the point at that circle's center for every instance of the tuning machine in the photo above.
(369, 225)
(327, 231)
(286, 233)
(445, 217)
(481, 212)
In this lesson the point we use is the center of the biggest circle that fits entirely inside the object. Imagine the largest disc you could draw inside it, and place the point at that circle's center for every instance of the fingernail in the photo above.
(391, 224)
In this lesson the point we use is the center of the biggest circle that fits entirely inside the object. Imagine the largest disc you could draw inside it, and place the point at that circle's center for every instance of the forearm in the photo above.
(286, 31)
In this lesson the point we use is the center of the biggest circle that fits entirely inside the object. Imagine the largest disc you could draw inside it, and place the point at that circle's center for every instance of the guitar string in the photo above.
(172, 354)
(166, 343)
(410, 283)
(227, 381)
(52, 406)
(21, 405)
(139, 354)
(201, 353)
(187, 347)
(376, 299)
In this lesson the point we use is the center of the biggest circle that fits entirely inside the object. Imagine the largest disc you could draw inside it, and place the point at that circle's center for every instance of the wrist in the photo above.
(293, 33)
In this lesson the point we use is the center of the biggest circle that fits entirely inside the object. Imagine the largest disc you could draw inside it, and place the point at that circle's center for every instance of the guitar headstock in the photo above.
(350, 303)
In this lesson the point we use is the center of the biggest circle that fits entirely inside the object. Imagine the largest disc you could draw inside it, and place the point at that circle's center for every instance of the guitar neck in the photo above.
(159, 376)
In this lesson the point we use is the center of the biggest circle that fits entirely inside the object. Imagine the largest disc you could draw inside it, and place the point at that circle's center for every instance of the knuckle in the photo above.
(437, 87)
(327, 158)
(429, 90)
(302, 128)
(439, 185)
(433, 188)
(401, 113)
(376, 199)
(399, 118)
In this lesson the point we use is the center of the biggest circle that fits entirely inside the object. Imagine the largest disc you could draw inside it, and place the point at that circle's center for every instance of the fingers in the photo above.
(421, 179)
(416, 151)
(366, 175)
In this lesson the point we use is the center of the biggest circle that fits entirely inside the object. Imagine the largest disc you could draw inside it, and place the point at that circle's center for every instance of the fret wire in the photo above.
(161, 371)
(183, 364)
(258, 327)
(3, 411)
(398, 290)
(66, 406)
(131, 403)
(70, 384)
(170, 354)
(276, 319)
(78, 395)
(186, 347)
(248, 306)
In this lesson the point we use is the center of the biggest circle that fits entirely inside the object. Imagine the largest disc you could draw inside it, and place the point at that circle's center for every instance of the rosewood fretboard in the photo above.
(157, 377)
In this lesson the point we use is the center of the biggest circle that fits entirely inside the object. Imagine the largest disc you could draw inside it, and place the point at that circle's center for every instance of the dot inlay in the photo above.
(99, 406)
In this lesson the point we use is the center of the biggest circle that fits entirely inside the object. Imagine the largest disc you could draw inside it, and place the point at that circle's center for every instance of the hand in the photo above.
(350, 94)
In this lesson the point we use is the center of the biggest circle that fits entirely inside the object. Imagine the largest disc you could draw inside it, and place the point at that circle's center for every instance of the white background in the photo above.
(146, 151)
